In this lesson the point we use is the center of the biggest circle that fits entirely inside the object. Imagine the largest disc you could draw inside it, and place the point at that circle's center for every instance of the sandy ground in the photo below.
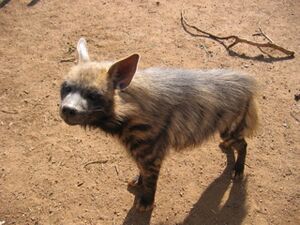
(43, 179)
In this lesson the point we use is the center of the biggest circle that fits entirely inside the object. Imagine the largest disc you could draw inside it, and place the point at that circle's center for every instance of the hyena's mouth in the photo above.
(72, 122)
(72, 116)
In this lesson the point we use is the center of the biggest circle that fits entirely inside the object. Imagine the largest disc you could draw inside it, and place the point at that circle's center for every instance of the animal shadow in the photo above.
(31, 3)
(211, 208)
(134, 217)
(260, 57)
(3, 3)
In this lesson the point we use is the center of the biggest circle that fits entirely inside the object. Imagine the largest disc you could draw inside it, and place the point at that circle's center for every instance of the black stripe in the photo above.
(140, 127)
(151, 181)
(161, 141)
(153, 169)
(133, 142)
(241, 126)
(163, 135)
(128, 140)
(110, 125)
(137, 143)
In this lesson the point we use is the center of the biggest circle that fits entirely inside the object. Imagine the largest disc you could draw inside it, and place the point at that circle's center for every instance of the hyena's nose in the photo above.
(68, 111)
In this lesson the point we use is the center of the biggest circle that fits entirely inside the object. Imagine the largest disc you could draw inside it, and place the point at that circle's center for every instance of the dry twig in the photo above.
(9, 112)
(95, 162)
(235, 38)
(261, 33)
(117, 170)
(67, 60)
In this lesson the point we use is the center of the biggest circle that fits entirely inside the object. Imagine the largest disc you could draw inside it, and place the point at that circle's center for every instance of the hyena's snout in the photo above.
(68, 111)
(73, 109)
(70, 115)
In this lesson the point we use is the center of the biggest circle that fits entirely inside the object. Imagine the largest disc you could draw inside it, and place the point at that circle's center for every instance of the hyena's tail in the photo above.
(244, 125)
(251, 119)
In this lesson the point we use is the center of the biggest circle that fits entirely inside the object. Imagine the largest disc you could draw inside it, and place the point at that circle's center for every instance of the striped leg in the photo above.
(147, 145)
(148, 158)
(240, 145)
(234, 140)
(149, 172)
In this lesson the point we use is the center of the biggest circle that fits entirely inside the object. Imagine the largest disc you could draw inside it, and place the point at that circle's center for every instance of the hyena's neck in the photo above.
(112, 125)
(131, 106)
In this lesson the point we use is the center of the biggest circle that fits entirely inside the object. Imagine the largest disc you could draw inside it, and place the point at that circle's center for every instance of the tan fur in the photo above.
(89, 75)
(252, 121)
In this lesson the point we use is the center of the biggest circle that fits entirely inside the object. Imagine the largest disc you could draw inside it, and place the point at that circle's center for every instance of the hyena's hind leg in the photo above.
(234, 141)
(233, 135)
(240, 145)
(234, 138)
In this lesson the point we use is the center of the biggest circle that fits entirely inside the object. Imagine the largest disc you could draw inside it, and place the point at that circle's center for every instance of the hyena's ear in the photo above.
(121, 72)
(82, 50)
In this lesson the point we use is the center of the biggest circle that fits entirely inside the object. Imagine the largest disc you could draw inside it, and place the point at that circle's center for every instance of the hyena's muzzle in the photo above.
(73, 109)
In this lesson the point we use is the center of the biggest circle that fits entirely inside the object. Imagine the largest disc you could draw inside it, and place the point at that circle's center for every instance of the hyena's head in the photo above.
(87, 94)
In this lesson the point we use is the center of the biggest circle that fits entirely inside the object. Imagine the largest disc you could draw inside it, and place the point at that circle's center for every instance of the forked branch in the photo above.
(235, 39)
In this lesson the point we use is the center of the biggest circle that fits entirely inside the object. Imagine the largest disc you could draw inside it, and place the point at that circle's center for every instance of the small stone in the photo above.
(80, 184)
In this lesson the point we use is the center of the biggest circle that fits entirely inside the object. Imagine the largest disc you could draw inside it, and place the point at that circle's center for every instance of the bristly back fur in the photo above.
(190, 105)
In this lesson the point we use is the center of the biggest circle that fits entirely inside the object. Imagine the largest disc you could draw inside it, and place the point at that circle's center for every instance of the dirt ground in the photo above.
(43, 177)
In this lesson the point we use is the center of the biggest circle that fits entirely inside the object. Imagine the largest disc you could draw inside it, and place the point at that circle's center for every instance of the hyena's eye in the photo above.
(93, 96)
(65, 89)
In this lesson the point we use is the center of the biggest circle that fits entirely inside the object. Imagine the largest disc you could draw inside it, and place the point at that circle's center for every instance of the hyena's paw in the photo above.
(135, 185)
(144, 203)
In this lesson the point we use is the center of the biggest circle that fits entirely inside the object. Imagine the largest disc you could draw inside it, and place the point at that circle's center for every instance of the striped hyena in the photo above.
(154, 109)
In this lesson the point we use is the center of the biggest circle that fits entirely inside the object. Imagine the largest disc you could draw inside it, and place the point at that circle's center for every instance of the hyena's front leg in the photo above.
(148, 151)
(148, 159)
(147, 181)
